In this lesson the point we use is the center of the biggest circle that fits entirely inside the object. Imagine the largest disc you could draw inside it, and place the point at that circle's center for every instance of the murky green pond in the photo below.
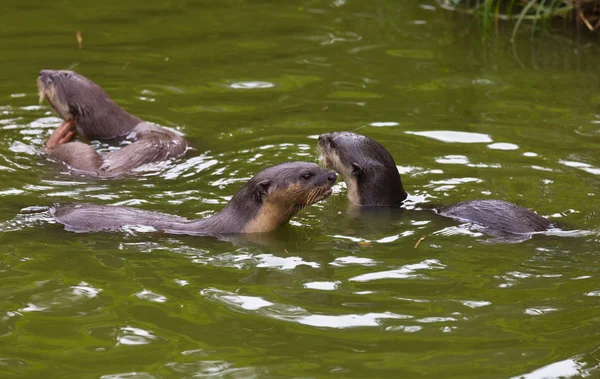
(335, 294)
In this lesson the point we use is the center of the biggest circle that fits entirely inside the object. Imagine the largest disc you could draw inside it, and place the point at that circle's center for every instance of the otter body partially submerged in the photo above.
(268, 200)
(372, 178)
(497, 217)
(89, 111)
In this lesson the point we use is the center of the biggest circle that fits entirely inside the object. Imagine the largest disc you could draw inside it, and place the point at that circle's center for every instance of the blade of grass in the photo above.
(486, 18)
(497, 16)
(537, 16)
(550, 11)
(520, 19)
(510, 7)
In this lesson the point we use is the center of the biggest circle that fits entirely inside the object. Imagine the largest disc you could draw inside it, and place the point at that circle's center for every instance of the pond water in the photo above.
(336, 294)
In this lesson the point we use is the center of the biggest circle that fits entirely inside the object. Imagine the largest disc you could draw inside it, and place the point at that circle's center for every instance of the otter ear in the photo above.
(356, 169)
(261, 189)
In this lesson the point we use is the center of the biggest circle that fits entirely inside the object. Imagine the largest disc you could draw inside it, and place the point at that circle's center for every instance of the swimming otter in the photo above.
(269, 199)
(372, 179)
(87, 109)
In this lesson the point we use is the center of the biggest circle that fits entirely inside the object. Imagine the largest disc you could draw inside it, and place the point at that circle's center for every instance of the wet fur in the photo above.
(268, 200)
(496, 215)
(97, 117)
(367, 168)
(373, 180)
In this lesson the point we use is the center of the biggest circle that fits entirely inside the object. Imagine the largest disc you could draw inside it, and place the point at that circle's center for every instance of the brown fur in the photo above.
(282, 204)
(95, 116)
(269, 199)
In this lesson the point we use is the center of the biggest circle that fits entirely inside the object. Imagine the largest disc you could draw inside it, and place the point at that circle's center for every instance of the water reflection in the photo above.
(130, 375)
(405, 272)
(454, 136)
(251, 85)
(340, 291)
(564, 369)
(299, 315)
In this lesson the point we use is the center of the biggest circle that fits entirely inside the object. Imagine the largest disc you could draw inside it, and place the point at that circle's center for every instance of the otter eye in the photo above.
(332, 144)
(307, 176)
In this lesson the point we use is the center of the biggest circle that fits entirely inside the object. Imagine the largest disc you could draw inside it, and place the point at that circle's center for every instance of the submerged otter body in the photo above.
(372, 178)
(268, 200)
(88, 110)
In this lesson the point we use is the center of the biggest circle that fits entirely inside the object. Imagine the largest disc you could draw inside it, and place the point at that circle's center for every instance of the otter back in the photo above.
(497, 215)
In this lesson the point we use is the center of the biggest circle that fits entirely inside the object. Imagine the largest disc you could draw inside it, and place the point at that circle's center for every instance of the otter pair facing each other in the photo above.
(87, 109)
(372, 179)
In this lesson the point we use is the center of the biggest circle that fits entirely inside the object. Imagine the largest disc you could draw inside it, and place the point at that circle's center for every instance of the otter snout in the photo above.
(44, 82)
(51, 87)
(325, 140)
(46, 77)
(49, 77)
(323, 185)
(324, 177)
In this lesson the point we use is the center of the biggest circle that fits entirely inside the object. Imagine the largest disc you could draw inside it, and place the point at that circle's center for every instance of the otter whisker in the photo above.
(310, 198)
(313, 196)
(299, 207)
(41, 92)
(73, 65)
(291, 210)
(320, 156)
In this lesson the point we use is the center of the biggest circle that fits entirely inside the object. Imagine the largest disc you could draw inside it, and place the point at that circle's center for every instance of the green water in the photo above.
(336, 294)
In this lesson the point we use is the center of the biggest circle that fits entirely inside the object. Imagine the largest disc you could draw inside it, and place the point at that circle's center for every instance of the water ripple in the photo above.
(130, 375)
(213, 368)
(71, 299)
(129, 335)
(405, 272)
(297, 314)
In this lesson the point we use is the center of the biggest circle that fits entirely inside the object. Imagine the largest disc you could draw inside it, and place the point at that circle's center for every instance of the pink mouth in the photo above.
(327, 192)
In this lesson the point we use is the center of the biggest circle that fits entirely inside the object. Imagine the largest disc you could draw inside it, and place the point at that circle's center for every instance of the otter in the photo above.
(268, 200)
(372, 179)
(88, 111)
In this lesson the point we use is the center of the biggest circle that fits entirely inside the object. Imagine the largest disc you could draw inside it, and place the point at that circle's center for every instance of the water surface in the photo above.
(337, 293)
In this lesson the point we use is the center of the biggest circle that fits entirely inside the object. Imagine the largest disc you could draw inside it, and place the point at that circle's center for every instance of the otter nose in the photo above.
(331, 177)
(45, 76)
(324, 137)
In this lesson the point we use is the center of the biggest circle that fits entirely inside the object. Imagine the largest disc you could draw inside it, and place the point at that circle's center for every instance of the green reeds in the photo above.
(581, 13)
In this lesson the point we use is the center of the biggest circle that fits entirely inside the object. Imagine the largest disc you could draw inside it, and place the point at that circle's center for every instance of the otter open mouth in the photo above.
(314, 196)
(319, 194)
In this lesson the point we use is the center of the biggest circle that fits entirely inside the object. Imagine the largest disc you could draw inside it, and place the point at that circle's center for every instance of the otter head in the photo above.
(274, 195)
(366, 167)
(74, 97)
